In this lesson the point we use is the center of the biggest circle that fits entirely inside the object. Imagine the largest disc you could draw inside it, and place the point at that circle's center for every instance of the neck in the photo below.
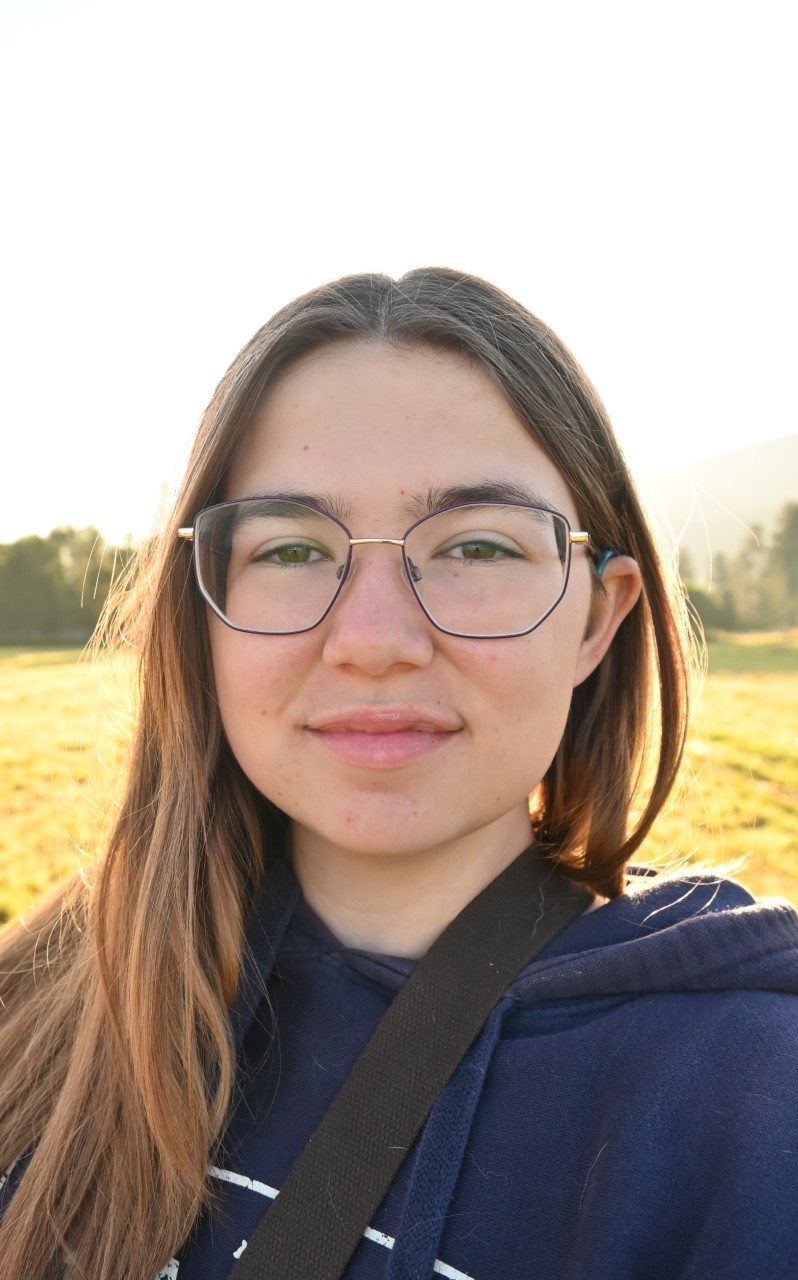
(398, 904)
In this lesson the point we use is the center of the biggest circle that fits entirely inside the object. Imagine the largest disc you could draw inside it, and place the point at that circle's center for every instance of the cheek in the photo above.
(525, 690)
(254, 678)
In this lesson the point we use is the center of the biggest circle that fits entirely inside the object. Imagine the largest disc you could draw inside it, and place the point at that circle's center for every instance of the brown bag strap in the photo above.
(337, 1183)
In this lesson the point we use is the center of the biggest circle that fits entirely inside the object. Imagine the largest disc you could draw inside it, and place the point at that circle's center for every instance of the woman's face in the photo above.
(376, 733)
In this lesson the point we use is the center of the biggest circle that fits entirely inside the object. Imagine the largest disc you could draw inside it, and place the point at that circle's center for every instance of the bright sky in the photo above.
(173, 171)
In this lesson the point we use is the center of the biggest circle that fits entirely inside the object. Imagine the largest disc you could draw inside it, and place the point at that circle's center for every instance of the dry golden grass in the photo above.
(738, 801)
(65, 724)
(63, 741)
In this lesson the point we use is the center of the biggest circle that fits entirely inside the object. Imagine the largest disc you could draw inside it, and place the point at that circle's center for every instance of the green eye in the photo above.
(293, 553)
(480, 549)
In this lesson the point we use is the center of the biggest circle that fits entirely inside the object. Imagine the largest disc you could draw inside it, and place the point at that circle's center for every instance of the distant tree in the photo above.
(31, 604)
(687, 571)
(721, 573)
(714, 604)
(747, 572)
(52, 589)
(715, 609)
(785, 544)
(780, 580)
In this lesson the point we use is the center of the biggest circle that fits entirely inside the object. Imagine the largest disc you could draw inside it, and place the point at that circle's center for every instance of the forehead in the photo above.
(378, 427)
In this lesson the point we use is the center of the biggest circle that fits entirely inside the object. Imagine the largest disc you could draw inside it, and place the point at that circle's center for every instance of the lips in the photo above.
(382, 737)
(384, 719)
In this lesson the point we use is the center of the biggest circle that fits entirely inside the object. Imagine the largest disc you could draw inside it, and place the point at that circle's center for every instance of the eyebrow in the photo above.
(329, 504)
(418, 505)
(499, 489)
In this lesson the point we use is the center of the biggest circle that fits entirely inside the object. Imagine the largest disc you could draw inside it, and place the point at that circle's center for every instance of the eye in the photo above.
(291, 554)
(480, 549)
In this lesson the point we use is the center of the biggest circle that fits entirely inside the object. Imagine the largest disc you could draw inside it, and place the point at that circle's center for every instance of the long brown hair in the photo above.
(115, 1052)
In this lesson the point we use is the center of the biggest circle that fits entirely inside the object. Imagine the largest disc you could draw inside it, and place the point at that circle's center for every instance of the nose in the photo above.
(376, 622)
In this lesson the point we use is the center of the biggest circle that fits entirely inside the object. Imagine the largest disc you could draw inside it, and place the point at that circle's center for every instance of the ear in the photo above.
(621, 584)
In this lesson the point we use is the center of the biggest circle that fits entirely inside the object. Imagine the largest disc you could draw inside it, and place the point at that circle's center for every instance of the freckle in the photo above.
(305, 448)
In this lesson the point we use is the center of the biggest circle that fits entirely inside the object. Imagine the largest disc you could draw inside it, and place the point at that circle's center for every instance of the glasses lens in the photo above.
(489, 569)
(269, 566)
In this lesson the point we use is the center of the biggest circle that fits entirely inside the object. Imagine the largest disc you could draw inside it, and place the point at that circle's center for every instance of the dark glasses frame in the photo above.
(579, 537)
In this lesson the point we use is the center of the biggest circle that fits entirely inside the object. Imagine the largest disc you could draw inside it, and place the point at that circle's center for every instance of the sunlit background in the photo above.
(174, 171)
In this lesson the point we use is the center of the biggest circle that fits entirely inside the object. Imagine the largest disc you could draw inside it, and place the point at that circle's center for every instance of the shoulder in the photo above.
(700, 949)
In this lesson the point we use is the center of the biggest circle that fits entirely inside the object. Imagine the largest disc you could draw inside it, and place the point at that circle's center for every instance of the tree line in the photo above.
(52, 589)
(754, 590)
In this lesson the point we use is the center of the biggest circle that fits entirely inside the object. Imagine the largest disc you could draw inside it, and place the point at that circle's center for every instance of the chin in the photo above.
(390, 831)
(362, 839)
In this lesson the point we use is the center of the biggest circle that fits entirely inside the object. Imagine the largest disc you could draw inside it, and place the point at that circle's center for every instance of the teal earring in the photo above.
(604, 560)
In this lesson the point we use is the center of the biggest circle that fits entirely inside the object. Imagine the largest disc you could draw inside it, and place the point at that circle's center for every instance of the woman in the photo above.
(408, 619)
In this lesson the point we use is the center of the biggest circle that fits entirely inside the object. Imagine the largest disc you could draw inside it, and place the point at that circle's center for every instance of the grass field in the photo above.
(65, 726)
(62, 742)
(738, 800)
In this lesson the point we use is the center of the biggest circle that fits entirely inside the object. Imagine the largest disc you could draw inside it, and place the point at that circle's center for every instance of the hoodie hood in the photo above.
(670, 934)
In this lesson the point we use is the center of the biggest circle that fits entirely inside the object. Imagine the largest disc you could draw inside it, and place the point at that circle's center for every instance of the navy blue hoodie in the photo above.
(630, 1111)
